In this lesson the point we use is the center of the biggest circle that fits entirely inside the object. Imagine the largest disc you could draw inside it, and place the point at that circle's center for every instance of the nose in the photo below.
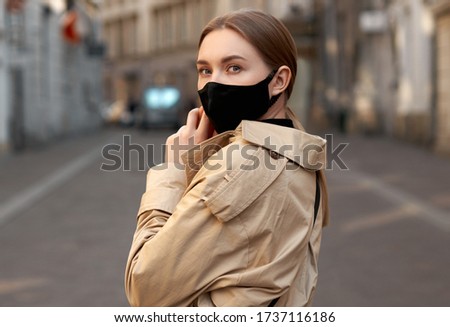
(217, 77)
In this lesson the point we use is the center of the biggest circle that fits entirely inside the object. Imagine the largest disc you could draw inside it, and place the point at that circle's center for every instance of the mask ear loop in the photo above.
(274, 98)
(272, 73)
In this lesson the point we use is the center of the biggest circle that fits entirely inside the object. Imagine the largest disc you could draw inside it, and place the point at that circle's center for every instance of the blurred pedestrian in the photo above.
(240, 224)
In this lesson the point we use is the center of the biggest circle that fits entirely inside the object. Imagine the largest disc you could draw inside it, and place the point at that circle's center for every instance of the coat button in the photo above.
(274, 154)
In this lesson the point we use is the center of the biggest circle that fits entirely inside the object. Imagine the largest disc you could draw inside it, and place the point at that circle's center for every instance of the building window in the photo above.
(129, 36)
(180, 23)
(163, 27)
(120, 39)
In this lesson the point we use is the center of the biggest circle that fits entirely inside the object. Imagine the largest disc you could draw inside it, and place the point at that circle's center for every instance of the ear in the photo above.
(281, 80)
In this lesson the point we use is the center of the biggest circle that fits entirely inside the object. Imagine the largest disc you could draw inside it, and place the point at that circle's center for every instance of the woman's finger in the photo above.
(192, 120)
(205, 128)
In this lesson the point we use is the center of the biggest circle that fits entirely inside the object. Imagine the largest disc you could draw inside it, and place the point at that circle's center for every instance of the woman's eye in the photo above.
(234, 69)
(204, 71)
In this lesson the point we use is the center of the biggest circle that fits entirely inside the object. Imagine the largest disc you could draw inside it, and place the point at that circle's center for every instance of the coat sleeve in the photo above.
(179, 247)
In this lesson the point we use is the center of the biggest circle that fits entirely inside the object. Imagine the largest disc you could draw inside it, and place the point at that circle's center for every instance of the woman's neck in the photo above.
(278, 110)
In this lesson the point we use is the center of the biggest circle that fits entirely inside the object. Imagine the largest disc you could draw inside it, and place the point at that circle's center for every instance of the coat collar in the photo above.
(195, 157)
(308, 151)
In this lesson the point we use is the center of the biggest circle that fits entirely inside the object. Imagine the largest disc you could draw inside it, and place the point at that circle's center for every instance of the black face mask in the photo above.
(227, 105)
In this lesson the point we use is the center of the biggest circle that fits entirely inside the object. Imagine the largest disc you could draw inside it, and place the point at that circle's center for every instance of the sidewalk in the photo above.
(388, 240)
(67, 224)
(387, 243)
(406, 167)
(22, 174)
(403, 171)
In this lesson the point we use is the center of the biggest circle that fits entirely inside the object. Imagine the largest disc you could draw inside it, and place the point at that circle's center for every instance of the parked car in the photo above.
(161, 106)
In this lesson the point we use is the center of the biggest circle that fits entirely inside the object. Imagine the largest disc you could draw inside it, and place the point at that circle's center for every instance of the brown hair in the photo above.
(265, 32)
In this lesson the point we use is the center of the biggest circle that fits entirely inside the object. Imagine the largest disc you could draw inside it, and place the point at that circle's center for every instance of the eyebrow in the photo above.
(224, 59)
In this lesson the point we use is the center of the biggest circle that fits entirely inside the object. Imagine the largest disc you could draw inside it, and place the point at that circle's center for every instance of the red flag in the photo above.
(69, 27)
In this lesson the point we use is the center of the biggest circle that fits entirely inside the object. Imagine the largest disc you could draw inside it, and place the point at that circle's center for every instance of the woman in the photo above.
(239, 224)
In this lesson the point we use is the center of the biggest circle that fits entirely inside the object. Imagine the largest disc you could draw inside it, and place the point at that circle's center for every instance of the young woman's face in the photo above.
(226, 57)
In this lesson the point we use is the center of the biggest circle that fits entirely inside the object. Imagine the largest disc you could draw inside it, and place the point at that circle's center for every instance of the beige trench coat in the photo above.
(236, 226)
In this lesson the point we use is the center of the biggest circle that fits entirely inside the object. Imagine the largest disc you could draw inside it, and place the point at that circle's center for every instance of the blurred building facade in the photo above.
(385, 67)
(50, 71)
(441, 68)
(366, 66)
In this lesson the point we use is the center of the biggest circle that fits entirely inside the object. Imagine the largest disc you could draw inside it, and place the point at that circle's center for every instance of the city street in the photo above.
(66, 225)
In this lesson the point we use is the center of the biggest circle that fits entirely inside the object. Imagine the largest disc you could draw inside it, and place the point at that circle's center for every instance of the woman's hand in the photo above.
(198, 128)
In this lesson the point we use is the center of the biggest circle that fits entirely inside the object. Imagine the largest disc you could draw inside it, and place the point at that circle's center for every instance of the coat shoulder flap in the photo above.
(249, 172)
